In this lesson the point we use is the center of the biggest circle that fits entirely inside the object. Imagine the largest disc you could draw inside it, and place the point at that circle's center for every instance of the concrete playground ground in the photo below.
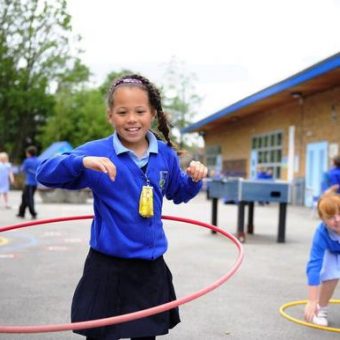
(41, 265)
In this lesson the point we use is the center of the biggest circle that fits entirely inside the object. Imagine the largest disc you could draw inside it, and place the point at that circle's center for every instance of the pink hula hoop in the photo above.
(130, 316)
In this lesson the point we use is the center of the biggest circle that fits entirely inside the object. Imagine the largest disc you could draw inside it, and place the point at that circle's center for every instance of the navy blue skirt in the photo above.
(113, 286)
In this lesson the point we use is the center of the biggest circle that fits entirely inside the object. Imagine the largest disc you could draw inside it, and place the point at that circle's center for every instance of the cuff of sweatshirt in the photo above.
(313, 280)
(195, 186)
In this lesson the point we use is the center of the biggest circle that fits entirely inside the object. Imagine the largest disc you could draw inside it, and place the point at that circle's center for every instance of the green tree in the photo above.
(35, 52)
(179, 97)
(79, 117)
(80, 112)
(65, 118)
(7, 84)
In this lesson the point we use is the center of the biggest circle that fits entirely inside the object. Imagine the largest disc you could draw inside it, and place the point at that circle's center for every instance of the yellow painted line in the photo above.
(3, 241)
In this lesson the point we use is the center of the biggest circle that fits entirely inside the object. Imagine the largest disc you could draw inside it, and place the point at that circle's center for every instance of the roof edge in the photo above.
(311, 72)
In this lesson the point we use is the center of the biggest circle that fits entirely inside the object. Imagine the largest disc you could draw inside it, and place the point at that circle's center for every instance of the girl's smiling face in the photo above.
(132, 115)
(333, 223)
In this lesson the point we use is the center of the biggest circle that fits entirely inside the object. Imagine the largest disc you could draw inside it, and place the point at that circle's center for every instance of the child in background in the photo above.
(331, 178)
(29, 168)
(129, 173)
(261, 173)
(6, 177)
(323, 267)
(264, 173)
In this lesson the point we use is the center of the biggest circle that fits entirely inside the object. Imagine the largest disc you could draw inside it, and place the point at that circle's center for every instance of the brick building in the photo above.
(292, 127)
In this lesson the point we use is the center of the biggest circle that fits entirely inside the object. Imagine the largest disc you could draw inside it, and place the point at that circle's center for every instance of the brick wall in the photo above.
(316, 119)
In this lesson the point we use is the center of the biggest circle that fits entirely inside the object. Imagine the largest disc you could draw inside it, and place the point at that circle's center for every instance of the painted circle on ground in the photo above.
(3, 241)
(305, 323)
(135, 315)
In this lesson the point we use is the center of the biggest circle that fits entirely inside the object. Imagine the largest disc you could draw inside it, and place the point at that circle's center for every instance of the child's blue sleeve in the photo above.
(317, 252)
(63, 171)
(325, 182)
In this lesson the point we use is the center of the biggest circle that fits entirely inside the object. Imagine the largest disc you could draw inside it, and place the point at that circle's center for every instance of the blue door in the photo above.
(316, 165)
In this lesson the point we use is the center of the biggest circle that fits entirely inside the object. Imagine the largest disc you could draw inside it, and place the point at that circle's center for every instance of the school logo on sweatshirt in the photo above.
(163, 177)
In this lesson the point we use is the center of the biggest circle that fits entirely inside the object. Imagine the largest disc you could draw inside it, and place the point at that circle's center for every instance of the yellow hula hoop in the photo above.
(305, 323)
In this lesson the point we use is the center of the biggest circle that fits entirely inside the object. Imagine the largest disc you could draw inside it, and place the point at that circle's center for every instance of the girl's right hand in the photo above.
(102, 164)
(310, 310)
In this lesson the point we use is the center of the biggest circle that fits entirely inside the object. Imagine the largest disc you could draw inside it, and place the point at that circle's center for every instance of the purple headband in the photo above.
(128, 81)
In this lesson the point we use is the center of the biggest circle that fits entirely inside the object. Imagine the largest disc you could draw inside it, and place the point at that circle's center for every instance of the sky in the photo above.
(234, 48)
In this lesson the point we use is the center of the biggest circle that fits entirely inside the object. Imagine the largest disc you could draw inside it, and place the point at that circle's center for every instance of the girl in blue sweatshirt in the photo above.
(129, 173)
(323, 267)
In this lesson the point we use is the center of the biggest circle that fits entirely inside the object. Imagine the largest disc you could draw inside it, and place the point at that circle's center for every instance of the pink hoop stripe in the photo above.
(134, 315)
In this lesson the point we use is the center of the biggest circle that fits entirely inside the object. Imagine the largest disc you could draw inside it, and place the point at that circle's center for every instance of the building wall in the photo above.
(316, 118)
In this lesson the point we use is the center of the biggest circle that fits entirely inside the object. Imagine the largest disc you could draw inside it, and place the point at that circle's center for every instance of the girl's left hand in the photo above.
(197, 171)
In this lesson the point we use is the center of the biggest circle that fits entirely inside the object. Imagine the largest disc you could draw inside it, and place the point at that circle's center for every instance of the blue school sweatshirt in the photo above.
(29, 167)
(323, 240)
(334, 177)
(117, 228)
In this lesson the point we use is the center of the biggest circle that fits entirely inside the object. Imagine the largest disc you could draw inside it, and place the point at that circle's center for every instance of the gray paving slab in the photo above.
(40, 267)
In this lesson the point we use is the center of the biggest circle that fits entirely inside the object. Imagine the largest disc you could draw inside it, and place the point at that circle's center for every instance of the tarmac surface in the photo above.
(41, 265)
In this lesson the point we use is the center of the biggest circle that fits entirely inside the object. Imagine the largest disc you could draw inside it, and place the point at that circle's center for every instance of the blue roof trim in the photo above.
(318, 69)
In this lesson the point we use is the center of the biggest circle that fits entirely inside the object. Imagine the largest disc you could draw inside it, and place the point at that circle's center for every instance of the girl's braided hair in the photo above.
(154, 99)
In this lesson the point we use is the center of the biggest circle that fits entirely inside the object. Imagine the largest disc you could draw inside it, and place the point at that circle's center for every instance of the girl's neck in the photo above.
(140, 148)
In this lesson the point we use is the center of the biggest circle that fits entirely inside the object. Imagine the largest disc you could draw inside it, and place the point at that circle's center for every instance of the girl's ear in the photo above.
(109, 115)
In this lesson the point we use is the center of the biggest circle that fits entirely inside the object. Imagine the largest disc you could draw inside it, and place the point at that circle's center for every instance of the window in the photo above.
(212, 152)
(269, 151)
